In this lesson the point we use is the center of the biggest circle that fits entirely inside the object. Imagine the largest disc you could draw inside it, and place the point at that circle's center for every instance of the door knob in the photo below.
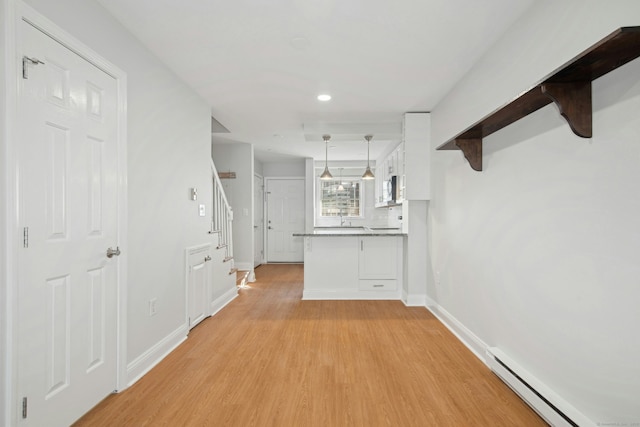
(207, 258)
(111, 252)
(270, 228)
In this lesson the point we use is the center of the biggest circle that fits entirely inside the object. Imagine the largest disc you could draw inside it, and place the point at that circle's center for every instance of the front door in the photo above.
(67, 290)
(285, 216)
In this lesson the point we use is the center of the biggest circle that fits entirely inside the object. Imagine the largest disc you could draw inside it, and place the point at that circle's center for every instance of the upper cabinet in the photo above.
(569, 87)
(405, 172)
(390, 178)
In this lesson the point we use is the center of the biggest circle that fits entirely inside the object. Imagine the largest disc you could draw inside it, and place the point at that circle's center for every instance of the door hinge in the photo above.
(26, 61)
(24, 408)
(25, 237)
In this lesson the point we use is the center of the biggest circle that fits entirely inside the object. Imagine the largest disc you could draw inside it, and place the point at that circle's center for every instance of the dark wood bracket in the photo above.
(574, 102)
(569, 87)
(472, 150)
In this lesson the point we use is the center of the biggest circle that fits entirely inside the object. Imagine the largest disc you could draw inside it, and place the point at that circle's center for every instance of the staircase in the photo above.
(224, 271)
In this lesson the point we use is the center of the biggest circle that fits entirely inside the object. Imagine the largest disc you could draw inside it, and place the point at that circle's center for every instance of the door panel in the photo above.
(198, 285)
(285, 212)
(67, 290)
(96, 326)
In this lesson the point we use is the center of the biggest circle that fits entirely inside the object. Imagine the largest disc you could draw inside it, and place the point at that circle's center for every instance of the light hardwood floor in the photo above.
(270, 359)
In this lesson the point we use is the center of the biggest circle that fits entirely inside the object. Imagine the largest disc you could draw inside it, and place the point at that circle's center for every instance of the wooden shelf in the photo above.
(569, 87)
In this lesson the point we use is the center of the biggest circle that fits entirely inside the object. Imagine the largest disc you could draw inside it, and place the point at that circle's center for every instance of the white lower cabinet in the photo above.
(378, 257)
(331, 264)
(353, 267)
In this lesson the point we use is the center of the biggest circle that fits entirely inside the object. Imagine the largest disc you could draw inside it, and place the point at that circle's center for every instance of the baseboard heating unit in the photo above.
(551, 407)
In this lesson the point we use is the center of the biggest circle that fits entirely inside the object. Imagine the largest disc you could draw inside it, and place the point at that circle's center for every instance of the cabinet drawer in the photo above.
(378, 285)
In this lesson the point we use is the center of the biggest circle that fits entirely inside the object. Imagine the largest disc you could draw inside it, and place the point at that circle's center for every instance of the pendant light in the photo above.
(326, 174)
(367, 173)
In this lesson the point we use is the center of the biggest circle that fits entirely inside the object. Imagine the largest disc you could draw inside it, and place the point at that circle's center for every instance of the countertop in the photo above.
(352, 231)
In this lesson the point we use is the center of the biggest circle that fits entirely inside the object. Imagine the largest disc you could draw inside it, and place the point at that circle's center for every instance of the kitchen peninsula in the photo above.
(353, 263)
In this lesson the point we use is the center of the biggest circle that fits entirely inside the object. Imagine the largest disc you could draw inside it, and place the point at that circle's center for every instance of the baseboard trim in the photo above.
(350, 295)
(223, 300)
(468, 338)
(413, 300)
(154, 355)
(244, 266)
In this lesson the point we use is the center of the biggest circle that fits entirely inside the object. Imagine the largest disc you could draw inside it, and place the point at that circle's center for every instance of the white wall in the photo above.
(238, 158)
(168, 153)
(538, 254)
(258, 167)
(293, 168)
(4, 232)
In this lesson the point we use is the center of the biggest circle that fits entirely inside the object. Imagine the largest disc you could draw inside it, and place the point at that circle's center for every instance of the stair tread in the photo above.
(227, 259)
(233, 271)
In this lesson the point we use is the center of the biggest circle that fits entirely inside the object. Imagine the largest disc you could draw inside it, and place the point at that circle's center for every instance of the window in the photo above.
(340, 197)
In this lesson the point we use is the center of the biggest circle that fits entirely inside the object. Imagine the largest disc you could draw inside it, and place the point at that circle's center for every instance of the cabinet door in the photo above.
(378, 257)
(198, 285)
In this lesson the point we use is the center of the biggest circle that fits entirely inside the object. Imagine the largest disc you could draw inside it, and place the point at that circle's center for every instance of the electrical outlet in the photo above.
(152, 306)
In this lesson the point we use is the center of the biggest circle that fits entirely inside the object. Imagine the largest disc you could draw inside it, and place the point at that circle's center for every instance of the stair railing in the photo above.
(222, 216)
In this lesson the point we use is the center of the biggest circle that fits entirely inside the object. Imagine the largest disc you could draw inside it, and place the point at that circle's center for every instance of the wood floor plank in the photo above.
(271, 359)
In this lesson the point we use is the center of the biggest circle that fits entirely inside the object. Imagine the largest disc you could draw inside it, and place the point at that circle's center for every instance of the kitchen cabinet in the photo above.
(352, 266)
(377, 258)
(391, 165)
(378, 263)
(331, 264)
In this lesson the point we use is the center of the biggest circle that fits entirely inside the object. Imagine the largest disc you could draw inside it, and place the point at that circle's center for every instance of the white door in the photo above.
(258, 220)
(197, 284)
(285, 216)
(67, 290)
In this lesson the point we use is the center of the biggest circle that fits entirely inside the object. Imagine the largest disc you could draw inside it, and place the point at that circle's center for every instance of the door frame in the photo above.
(13, 13)
(263, 207)
(266, 208)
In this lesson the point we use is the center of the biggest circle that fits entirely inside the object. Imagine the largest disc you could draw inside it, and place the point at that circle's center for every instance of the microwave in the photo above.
(390, 189)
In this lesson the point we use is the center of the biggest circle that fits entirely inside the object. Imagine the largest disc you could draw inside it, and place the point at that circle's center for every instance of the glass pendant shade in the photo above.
(367, 173)
(326, 174)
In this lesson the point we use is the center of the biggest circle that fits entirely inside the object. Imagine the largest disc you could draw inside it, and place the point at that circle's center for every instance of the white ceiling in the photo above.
(261, 63)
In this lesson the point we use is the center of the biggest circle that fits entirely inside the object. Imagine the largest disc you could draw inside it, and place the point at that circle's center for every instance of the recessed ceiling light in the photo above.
(324, 97)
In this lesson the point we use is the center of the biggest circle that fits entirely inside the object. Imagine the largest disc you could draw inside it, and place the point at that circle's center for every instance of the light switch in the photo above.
(201, 210)
(194, 193)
